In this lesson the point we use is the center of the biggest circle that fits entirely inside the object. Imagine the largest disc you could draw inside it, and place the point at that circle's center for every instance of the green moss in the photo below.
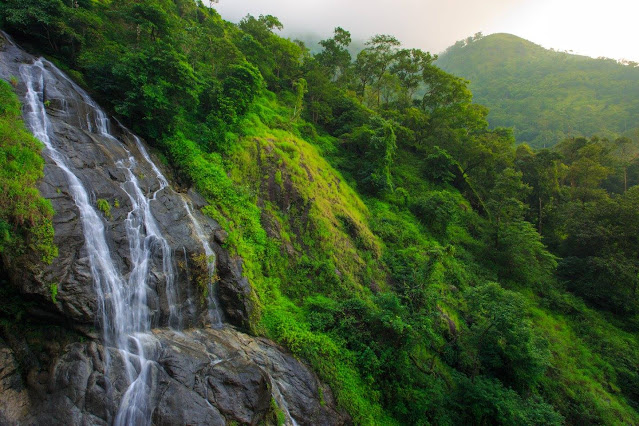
(278, 178)
(279, 417)
(53, 289)
(199, 271)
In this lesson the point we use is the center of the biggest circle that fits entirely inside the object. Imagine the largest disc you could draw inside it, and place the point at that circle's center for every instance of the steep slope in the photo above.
(543, 94)
(138, 261)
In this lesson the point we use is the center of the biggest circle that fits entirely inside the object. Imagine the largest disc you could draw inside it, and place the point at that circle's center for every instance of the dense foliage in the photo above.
(546, 95)
(393, 240)
(25, 217)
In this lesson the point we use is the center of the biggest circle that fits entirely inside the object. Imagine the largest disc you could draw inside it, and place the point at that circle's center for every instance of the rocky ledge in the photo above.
(198, 377)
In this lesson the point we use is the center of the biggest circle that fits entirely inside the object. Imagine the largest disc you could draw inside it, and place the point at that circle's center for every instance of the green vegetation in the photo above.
(53, 288)
(546, 95)
(426, 269)
(25, 217)
(104, 206)
(279, 416)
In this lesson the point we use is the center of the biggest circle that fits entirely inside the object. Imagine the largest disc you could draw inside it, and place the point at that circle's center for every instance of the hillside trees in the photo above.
(376, 144)
(335, 57)
(588, 226)
(393, 240)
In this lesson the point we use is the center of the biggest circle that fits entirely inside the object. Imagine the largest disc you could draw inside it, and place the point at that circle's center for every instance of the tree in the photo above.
(542, 171)
(409, 67)
(452, 115)
(506, 198)
(375, 143)
(301, 87)
(278, 59)
(502, 341)
(262, 27)
(57, 27)
(600, 251)
(335, 57)
(443, 90)
(373, 62)
(623, 144)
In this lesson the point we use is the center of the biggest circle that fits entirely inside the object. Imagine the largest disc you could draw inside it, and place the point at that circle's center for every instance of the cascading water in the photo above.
(107, 278)
(214, 313)
(129, 260)
(122, 303)
(281, 402)
(139, 220)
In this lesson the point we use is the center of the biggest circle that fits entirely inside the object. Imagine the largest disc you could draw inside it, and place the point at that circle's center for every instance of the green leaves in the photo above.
(503, 337)
(376, 143)
(546, 95)
(335, 57)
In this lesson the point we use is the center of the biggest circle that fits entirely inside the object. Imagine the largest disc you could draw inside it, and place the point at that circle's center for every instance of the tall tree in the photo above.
(374, 61)
(335, 57)
(409, 67)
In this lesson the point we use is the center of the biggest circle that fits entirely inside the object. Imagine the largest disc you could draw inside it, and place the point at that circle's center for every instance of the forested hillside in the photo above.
(426, 268)
(545, 95)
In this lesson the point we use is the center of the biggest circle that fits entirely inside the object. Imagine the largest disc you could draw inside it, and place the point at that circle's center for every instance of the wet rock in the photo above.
(239, 389)
(233, 290)
(181, 406)
(14, 398)
(198, 376)
(221, 236)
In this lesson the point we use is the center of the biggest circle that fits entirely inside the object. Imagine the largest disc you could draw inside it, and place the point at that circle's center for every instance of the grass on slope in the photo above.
(25, 216)
(300, 231)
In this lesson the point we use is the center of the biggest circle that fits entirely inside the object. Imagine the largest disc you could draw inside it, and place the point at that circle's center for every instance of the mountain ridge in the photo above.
(546, 95)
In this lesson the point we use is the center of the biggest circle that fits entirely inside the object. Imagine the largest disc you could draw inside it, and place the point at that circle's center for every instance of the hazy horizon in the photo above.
(591, 28)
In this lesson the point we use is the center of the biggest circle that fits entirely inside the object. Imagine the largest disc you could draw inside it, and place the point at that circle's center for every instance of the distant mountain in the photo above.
(544, 94)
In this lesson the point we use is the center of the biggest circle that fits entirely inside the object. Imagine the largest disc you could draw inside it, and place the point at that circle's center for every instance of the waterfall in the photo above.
(122, 302)
(281, 402)
(214, 313)
(140, 219)
(108, 279)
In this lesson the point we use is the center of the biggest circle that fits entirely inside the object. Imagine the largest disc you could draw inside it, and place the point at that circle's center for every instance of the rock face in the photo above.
(200, 377)
(197, 375)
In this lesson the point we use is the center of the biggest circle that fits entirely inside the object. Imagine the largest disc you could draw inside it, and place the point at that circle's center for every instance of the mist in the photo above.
(591, 28)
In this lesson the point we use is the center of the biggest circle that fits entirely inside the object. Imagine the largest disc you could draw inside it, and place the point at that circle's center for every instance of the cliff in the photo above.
(141, 327)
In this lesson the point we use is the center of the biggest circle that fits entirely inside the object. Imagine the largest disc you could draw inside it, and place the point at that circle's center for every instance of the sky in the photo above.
(590, 27)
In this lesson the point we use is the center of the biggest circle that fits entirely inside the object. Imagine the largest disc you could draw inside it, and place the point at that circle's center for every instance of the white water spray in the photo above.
(122, 303)
(123, 308)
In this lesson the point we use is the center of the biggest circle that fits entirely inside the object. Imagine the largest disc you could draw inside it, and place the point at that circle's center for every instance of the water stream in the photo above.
(281, 402)
(122, 301)
(214, 312)
(123, 308)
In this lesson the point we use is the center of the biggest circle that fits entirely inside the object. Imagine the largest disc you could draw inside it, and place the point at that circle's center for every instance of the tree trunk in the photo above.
(539, 228)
